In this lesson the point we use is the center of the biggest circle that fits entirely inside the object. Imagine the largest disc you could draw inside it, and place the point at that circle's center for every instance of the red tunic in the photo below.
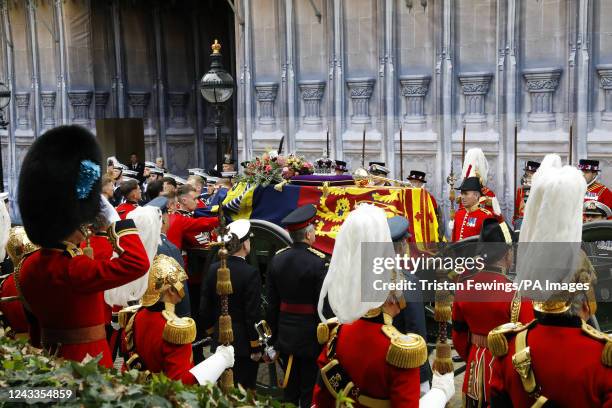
(124, 209)
(158, 355)
(361, 349)
(13, 311)
(182, 233)
(469, 222)
(102, 248)
(476, 312)
(599, 192)
(519, 204)
(183, 229)
(65, 289)
(566, 363)
(102, 251)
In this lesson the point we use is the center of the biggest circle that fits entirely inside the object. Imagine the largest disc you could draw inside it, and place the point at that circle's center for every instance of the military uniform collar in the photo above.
(560, 320)
(157, 307)
(375, 319)
(301, 245)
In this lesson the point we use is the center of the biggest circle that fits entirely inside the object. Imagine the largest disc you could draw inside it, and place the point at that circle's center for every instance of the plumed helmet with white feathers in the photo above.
(551, 234)
(348, 298)
(475, 164)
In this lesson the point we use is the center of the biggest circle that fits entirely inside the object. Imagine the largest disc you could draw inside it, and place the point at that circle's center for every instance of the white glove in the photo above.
(108, 211)
(211, 369)
(442, 390)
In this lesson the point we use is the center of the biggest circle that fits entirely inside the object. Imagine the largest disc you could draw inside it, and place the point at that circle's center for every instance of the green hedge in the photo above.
(25, 366)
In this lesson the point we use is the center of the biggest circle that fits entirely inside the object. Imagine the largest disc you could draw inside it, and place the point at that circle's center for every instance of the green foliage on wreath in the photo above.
(24, 366)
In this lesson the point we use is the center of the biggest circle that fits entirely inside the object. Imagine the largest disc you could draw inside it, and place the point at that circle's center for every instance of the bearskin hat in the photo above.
(59, 184)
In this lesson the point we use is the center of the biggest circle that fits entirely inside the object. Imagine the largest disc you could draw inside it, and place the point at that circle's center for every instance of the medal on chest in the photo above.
(471, 222)
(590, 195)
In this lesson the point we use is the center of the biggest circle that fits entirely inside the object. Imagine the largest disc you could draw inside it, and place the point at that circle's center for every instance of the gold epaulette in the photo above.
(281, 250)
(178, 330)
(497, 341)
(324, 330)
(406, 350)
(606, 354)
(317, 253)
(484, 210)
(126, 314)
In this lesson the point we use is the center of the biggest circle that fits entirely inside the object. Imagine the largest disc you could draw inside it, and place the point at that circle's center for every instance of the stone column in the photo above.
(139, 106)
(312, 94)
(80, 101)
(605, 79)
(266, 95)
(475, 86)
(48, 103)
(22, 100)
(360, 92)
(178, 107)
(414, 89)
(101, 99)
(541, 85)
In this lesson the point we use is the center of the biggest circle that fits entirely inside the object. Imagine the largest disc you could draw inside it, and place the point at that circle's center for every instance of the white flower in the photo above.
(273, 154)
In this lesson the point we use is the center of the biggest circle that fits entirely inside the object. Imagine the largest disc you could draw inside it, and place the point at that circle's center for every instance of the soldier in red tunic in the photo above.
(130, 190)
(477, 312)
(558, 360)
(595, 190)
(365, 357)
(156, 339)
(475, 164)
(469, 218)
(59, 285)
(11, 309)
(184, 230)
(522, 193)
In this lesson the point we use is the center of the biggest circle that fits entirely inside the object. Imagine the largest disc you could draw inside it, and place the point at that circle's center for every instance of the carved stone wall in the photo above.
(79, 61)
(489, 65)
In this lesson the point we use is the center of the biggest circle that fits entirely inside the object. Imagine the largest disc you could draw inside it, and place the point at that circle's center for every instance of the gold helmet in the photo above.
(165, 273)
(19, 245)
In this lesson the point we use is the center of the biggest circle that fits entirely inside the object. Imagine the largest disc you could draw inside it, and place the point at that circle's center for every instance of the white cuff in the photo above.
(435, 398)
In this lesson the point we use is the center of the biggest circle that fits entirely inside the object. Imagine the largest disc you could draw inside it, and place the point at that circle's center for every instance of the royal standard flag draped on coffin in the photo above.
(333, 205)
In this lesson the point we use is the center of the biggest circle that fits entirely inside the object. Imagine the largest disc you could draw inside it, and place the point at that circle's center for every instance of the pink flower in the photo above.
(268, 168)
